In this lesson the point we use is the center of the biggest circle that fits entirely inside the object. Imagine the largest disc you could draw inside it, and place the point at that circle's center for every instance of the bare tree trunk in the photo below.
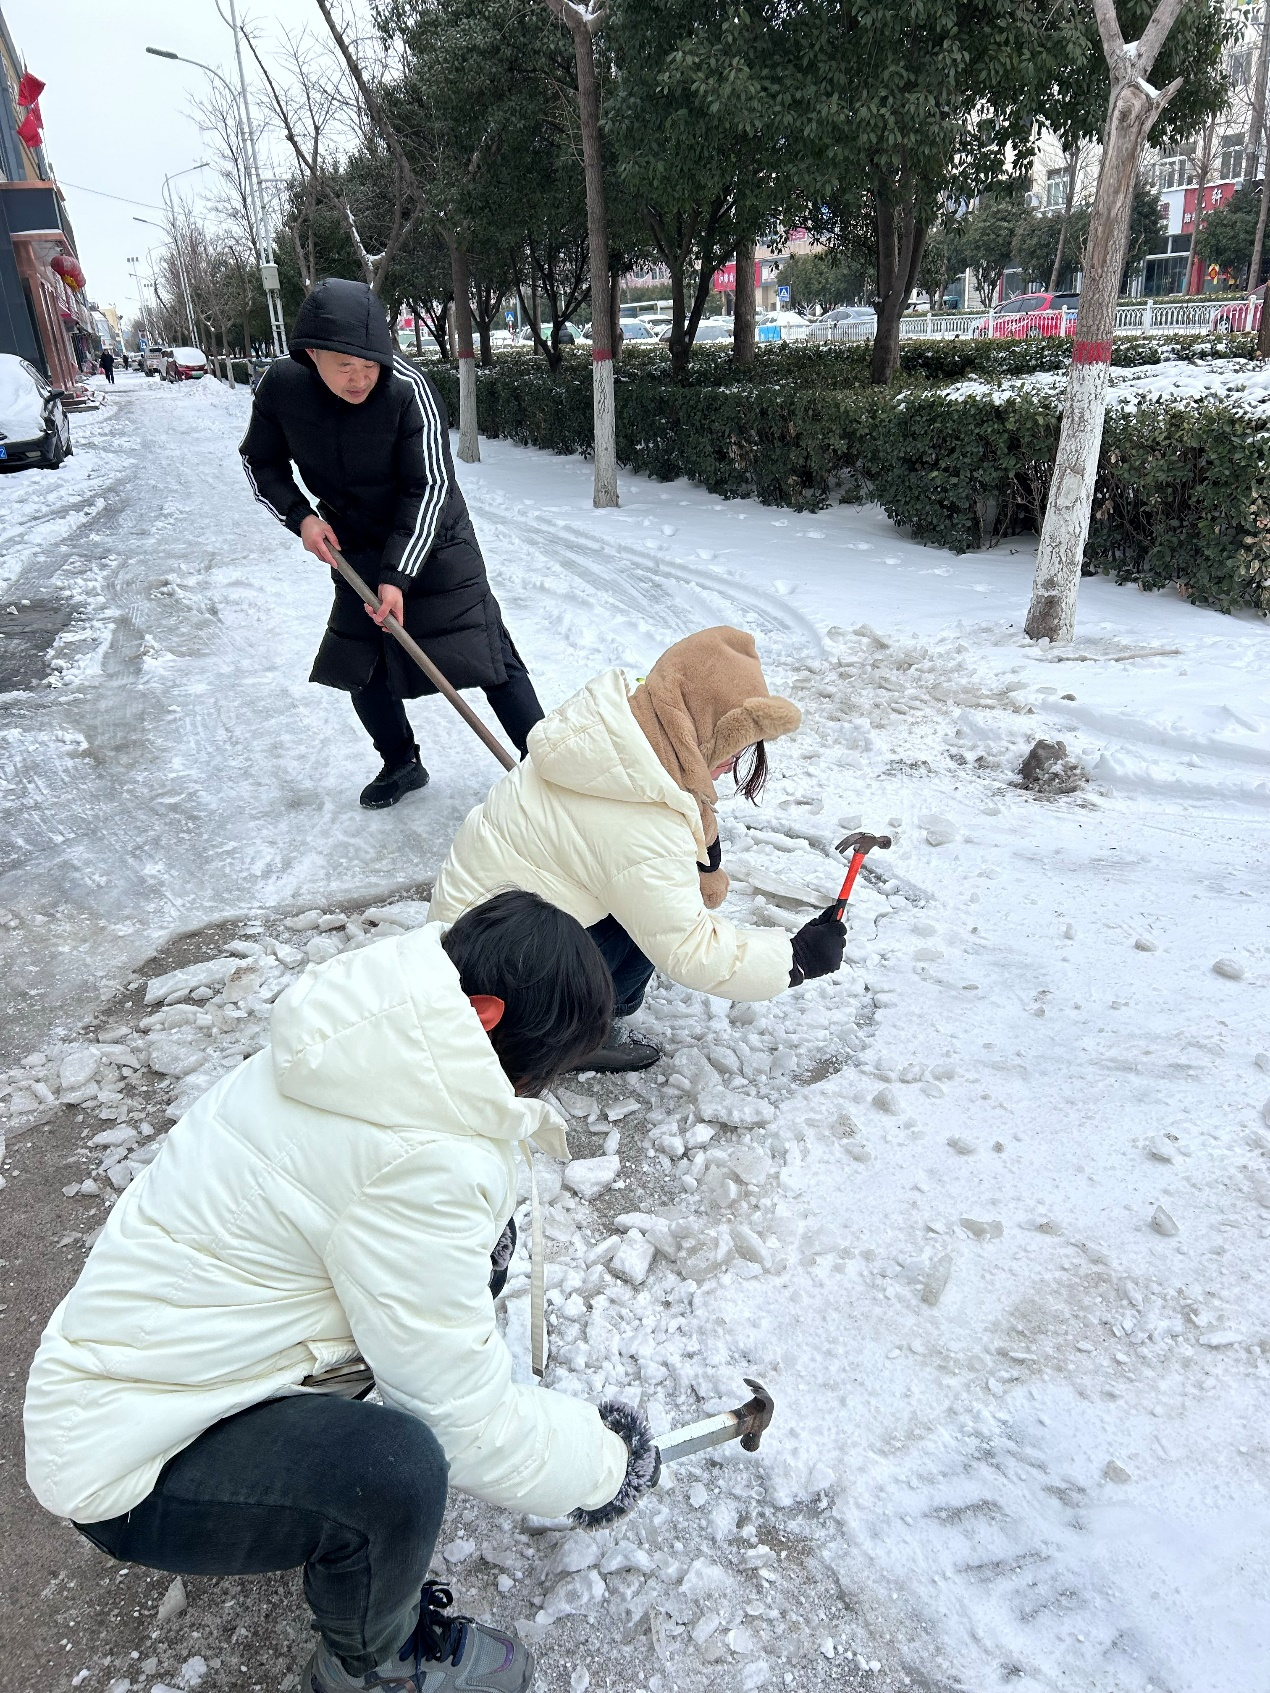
(744, 311)
(582, 22)
(899, 260)
(1068, 202)
(1258, 244)
(1133, 108)
(1205, 165)
(615, 310)
(414, 312)
(1257, 116)
(469, 441)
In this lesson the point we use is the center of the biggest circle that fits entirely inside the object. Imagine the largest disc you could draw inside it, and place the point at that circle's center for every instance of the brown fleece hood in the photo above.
(703, 702)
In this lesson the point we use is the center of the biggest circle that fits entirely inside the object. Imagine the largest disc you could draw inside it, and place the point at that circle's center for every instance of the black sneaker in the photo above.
(622, 1052)
(445, 1654)
(394, 781)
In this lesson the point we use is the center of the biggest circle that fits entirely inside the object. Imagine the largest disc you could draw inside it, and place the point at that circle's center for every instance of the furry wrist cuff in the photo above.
(501, 1257)
(643, 1466)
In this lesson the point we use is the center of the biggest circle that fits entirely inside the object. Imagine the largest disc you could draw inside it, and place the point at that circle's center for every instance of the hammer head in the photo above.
(756, 1414)
(860, 843)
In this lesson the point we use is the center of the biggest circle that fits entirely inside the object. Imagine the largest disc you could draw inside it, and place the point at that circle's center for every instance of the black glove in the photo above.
(643, 1466)
(818, 946)
(501, 1257)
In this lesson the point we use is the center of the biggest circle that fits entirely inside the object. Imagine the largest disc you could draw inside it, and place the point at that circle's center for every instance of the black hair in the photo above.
(755, 779)
(550, 976)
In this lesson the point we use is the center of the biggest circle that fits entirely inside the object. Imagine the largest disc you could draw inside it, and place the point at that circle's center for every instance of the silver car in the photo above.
(33, 427)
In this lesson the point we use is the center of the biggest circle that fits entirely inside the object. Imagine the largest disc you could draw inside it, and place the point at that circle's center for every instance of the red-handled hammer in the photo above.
(859, 845)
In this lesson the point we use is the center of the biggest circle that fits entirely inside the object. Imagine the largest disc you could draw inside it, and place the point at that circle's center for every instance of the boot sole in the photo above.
(411, 787)
(617, 1065)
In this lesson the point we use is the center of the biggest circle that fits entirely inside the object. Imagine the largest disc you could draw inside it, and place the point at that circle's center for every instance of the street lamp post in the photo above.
(262, 232)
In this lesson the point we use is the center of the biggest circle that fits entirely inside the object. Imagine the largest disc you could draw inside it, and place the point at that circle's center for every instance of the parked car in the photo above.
(154, 361)
(849, 314)
(185, 364)
(1033, 314)
(1238, 317)
(501, 338)
(637, 333)
(782, 326)
(567, 337)
(33, 427)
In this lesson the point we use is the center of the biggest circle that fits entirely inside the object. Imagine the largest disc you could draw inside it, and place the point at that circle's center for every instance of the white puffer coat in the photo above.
(339, 1192)
(593, 823)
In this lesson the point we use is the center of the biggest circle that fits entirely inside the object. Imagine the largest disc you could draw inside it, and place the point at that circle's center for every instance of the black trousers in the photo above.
(631, 969)
(383, 716)
(353, 1492)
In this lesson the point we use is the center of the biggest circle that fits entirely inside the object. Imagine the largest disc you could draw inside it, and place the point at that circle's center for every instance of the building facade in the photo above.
(44, 313)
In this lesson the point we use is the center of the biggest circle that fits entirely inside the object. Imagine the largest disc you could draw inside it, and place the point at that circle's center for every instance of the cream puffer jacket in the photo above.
(593, 823)
(338, 1193)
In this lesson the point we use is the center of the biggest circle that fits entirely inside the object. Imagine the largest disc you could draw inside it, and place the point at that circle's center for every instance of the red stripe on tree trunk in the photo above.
(464, 355)
(599, 354)
(1091, 352)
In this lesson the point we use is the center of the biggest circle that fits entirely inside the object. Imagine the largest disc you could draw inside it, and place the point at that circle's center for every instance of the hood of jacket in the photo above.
(343, 317)
(386, 1035)
(593, 745)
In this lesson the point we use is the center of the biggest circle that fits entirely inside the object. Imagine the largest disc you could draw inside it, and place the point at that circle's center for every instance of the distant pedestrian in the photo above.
(368, 433)
(108, 365)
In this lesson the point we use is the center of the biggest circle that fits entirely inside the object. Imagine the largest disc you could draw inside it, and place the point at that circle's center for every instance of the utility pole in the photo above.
(134, 259)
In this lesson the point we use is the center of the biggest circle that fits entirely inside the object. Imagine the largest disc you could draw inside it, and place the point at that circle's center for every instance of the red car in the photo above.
(185, 364)
(1034, 314)
(1240, 316)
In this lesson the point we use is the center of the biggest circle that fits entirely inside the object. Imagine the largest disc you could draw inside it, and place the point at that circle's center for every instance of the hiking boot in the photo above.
(622, 1052)
(445, 1654)
(393, 782)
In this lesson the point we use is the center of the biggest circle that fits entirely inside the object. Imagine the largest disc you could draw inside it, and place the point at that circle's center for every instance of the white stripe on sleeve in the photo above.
(433, 502)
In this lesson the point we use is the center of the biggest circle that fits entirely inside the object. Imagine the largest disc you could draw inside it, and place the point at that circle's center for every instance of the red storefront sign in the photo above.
(724, 279)
(1215, 195)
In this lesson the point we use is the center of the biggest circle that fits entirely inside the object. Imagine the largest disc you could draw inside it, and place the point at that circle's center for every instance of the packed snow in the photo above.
(986, 1212)
(1242, 385)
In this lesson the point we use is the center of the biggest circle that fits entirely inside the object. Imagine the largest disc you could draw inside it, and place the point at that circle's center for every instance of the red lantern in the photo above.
(70, 270)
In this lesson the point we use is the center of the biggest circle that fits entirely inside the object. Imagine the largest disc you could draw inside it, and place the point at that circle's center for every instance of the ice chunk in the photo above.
(303, 922)
(886, 1099)
(589, 1177)
(578, 1104)
(78, 1068)
(406, 913)
(735, 1110)
(1144, 943)
(623, 1108)
(1230, 968)
(1163, 1224)
(172, 1603)
(633, 1258)
(1112, 1471)
(176, 1055)
(113, 1137)
(750, 1164)
(936, 1279)
(964, 1147)
(458, 1551)
(1162, 1149)
(210, 974)
(322, 948)
(990, 1230)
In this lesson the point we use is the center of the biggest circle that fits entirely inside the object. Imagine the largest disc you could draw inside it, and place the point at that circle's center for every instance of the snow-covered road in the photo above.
(988, 1211)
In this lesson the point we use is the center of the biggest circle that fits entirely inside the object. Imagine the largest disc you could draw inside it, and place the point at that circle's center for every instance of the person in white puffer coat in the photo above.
(611, 816)
(341, 1197)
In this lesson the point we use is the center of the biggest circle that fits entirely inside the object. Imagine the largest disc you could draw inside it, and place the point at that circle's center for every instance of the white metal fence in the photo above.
(1144, 317)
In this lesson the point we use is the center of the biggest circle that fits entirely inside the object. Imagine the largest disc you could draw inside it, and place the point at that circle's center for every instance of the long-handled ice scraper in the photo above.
(746, 1424)
(425, 664)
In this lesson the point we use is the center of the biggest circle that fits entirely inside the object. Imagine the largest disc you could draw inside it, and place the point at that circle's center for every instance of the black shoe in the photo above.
(621, 1052)
(394, 781)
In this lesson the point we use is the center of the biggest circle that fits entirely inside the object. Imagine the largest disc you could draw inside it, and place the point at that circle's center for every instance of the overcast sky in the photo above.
(116, 120)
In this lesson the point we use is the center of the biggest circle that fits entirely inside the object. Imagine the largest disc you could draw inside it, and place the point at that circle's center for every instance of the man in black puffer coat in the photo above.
(369, 434)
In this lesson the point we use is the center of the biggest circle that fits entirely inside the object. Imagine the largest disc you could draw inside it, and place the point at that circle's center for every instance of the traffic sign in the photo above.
(782, 294)
(511, 319)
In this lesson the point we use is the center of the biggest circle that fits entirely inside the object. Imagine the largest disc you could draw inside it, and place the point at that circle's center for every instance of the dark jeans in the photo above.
(354, 1492)
(383, 716)
(630, 969)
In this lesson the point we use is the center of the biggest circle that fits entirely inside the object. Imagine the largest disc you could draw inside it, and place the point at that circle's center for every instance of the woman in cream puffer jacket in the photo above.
(336, 1197)
(611, 817)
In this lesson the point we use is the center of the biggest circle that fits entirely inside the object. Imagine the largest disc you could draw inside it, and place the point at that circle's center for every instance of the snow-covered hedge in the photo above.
(1183, 486)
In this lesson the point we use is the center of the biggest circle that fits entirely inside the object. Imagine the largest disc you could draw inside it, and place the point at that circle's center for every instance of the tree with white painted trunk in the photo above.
(583, 20)
(1134, 106)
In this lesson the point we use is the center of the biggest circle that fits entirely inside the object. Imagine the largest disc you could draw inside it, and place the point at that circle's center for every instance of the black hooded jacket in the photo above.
(381, 470)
